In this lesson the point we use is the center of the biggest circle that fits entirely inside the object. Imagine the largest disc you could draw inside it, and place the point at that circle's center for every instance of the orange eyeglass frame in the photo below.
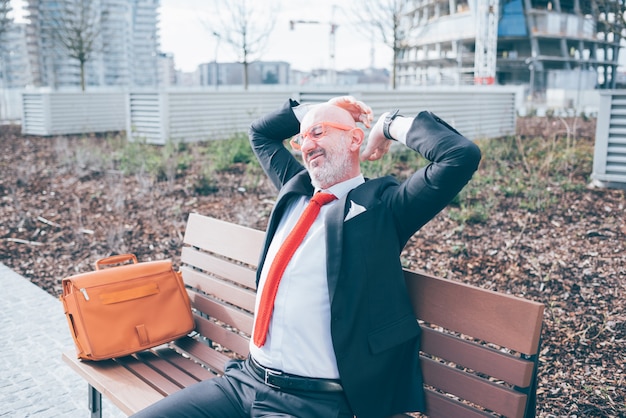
(297, 141)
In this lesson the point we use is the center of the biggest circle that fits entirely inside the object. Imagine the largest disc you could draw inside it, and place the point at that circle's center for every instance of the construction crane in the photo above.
(331, 46)
(486, 47)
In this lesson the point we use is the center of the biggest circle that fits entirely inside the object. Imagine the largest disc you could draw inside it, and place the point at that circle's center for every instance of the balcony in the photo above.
(561, 25)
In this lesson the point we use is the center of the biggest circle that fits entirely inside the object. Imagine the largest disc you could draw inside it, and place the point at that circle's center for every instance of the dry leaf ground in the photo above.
(565, 245)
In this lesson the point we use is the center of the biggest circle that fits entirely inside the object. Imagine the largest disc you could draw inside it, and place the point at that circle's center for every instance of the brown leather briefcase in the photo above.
(117, 311)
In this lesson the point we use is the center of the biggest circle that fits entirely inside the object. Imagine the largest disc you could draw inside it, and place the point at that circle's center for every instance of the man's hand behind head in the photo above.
(359, 111)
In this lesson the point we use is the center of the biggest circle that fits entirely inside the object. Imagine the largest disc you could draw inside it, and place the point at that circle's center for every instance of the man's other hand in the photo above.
(377, 144)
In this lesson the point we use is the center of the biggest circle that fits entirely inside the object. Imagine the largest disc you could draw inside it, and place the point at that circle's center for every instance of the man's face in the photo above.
(330, 143)
(327, 159)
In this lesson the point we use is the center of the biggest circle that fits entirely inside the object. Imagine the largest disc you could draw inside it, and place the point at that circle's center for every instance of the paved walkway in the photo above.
(34, 381)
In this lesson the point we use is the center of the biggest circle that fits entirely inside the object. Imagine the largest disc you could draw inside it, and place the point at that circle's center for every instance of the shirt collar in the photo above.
(342, 189)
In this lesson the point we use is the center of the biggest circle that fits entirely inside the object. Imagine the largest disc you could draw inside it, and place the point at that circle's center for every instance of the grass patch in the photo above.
(527, 171)
(532, 170)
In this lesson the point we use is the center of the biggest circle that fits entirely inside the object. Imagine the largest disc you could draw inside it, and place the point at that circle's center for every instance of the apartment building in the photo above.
(538, 43)
(125, 51)
(231, 73)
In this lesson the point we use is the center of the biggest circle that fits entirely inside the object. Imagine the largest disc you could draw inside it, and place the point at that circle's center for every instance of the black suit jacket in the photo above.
(374, 332)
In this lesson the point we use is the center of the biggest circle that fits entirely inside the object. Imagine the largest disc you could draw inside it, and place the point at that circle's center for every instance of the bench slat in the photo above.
(239, 319)
(223, 336)
(202, 353)
(474, 389)
(127, 391)
(501, 319)
(224, 238)
(219, 267)
(187, 364)
(159, 382)
(179, 377)
(229, 292)
(441, 406)
(479, 358)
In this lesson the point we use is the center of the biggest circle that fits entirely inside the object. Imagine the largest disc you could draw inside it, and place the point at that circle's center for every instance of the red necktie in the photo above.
(284, 254)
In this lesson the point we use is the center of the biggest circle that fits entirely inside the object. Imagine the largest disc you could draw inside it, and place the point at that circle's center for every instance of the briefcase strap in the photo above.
(116, 259)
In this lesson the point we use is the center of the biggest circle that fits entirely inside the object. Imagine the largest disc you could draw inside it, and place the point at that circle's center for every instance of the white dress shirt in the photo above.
(299, 340)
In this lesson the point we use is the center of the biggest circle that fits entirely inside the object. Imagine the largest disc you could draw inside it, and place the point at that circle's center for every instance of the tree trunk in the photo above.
(394, 67)
(82, 75)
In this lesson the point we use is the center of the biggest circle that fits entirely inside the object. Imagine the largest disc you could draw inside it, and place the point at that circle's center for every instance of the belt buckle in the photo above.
(268, 374)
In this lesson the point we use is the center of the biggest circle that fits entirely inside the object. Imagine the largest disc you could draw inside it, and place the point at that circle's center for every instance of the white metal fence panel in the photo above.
(34, 119)
(10, 104)
(146, 117)
(477, 114)
(62, 113)
(609, 156)
(195, 115)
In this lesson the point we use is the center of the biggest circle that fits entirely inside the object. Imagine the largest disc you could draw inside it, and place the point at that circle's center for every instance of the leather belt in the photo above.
(280, 380)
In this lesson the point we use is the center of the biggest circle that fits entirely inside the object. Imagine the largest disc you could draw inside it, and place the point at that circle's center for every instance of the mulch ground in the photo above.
(59, 216)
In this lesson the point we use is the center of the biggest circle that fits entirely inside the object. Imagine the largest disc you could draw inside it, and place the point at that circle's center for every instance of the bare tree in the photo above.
(384, 17)
(5, 20)
(77, 29)
(245, 25)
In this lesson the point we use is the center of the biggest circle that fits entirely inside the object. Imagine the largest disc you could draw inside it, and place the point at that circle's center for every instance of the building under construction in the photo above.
(538, 43)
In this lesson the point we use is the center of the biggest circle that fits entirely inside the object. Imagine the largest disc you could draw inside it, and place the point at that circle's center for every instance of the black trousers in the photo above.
(240, 393)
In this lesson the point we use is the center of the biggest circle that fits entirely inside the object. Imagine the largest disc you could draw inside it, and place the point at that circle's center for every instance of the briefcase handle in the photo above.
(116, 259)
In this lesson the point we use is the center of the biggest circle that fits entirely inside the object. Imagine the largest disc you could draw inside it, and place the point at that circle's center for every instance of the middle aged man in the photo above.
(335, 334)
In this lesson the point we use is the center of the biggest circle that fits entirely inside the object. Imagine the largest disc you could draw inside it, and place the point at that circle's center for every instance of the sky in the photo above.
(186, 33)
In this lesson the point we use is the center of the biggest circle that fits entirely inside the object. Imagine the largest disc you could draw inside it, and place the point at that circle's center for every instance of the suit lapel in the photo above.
(356, 198)
(334, 234)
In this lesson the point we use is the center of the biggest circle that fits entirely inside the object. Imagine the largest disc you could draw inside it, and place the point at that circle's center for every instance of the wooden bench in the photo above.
(480, 347)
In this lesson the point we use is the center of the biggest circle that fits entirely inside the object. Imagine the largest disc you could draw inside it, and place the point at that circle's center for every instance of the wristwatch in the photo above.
(388, 119)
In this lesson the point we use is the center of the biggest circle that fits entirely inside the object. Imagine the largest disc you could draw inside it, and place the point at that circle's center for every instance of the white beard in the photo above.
(335, 168)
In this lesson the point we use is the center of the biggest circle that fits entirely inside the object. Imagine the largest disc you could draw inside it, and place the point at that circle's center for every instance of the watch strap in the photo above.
(387, 122)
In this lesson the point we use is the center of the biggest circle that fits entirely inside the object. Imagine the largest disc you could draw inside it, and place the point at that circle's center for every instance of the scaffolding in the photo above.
(536, 43)
(486, 42)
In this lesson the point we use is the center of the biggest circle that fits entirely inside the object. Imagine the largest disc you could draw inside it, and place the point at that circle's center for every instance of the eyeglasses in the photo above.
(316, 132)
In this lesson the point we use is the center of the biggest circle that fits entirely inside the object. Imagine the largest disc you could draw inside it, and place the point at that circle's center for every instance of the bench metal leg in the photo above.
(531, 403)
(95, 402)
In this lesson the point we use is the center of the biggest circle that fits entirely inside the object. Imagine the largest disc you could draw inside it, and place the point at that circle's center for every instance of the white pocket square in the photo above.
(355, 209)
